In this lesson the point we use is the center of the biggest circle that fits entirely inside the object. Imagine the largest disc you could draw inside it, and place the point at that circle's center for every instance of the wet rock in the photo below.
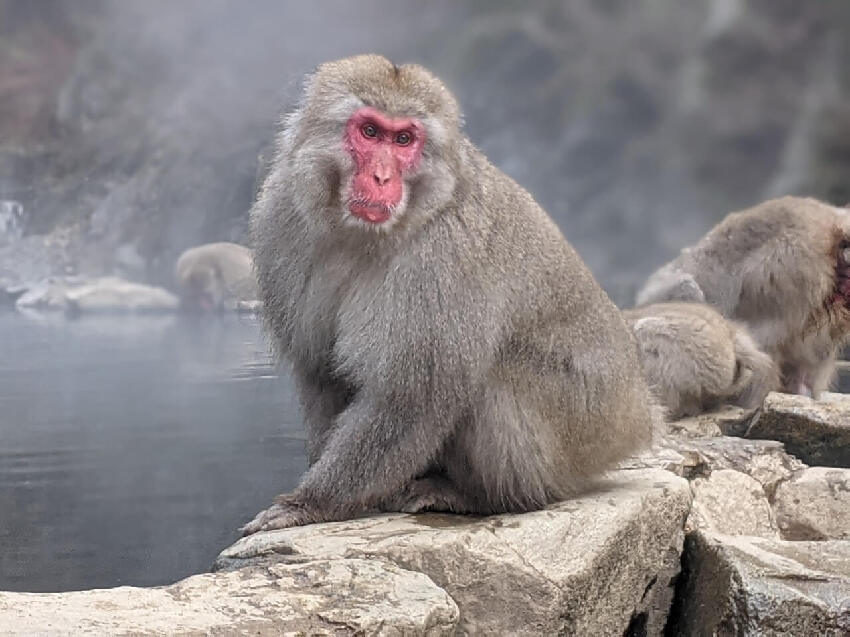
(76, 294)
(739, 585)
(594, 565)
(731, 503)
(815, 505)
(317, 597)
(112, 294)
(817, 432)
(249, 307)
(48, 294)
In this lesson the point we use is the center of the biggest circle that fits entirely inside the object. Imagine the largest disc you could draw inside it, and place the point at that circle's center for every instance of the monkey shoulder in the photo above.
(551, 300)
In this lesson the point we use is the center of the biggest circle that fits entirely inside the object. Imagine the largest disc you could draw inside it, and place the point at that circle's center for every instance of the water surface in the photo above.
(131, 449)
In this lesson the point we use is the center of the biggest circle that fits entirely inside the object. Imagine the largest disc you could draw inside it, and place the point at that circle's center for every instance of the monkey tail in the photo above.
(756, 372)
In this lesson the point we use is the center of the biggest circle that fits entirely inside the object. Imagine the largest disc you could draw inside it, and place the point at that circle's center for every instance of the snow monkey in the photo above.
(694, 359)
(451, 350)
(215, 276)
(783, 269)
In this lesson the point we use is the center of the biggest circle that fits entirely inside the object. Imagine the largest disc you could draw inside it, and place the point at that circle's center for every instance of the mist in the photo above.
(132, 130)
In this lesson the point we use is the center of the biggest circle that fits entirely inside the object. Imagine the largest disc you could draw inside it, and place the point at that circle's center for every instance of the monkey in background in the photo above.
(215, 276)
(451, 350)
(695, 360)
(782, 268)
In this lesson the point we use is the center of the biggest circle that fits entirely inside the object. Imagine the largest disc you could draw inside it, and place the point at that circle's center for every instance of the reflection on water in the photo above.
(131, 449)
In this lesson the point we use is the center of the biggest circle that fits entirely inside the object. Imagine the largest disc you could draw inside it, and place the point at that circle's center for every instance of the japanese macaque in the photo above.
(215, 276)
(781, 268)
(694, 359)
(451, 350)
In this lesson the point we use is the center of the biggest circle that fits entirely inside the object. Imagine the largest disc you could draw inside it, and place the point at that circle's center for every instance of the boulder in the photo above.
(249, 307)
(815, 505)
(817, 432)
(316, 597)
(732, 503)
(110, 294)
(764, 460)
(740, 585)
(48, 293)
(600, 564)
(115, 295)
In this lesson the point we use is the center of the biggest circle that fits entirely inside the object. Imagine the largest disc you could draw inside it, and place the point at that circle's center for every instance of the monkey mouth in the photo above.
(371, 211)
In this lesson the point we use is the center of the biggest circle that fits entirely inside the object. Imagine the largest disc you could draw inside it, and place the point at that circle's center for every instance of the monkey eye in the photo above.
(403, 138)
(369, 130)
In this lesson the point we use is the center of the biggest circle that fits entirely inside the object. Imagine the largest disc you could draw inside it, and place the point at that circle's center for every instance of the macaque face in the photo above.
(386, 151)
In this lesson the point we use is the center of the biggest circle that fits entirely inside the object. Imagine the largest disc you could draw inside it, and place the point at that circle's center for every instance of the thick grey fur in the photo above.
(773, 268)
(460, 357)
(695, 360)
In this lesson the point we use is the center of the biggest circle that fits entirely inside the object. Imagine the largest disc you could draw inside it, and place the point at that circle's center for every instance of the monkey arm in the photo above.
(323, 397)
(380, 442)
(377, 447)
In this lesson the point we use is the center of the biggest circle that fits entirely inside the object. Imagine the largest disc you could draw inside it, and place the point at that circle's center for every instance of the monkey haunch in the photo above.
(451, 350)
(781, 268)
(215, 276)
(694, 359)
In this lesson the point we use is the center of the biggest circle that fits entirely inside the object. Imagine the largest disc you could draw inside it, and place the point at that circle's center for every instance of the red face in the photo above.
(384, 150)
(842, 275)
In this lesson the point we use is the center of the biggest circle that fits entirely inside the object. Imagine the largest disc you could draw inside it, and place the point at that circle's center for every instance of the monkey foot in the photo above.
(429, 494)
(284, 513)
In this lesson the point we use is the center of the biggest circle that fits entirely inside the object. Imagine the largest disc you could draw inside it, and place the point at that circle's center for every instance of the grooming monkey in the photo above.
(215, 276)
(695, 360)
(451, 350)
(783, 269)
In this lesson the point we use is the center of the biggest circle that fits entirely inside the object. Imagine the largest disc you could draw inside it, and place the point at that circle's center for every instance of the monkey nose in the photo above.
(382, 175)
(383, 168)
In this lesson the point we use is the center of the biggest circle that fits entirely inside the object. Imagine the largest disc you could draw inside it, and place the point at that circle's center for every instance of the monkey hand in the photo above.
(287, 511)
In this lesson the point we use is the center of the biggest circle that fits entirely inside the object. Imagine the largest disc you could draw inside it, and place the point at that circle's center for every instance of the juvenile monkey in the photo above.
(451, 350)
(695, 360)
(215, 276)
(782, 268)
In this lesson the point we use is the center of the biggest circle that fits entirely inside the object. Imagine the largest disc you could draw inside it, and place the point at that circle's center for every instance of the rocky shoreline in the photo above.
(708, 533)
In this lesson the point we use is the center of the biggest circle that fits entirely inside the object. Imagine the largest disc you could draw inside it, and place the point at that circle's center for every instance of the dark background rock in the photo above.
(637, 124)
(757, 586)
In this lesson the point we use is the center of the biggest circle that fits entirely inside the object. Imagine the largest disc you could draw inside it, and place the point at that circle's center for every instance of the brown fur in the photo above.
(695, 360)
(460, 357)
(773, 268)
(215, 276)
